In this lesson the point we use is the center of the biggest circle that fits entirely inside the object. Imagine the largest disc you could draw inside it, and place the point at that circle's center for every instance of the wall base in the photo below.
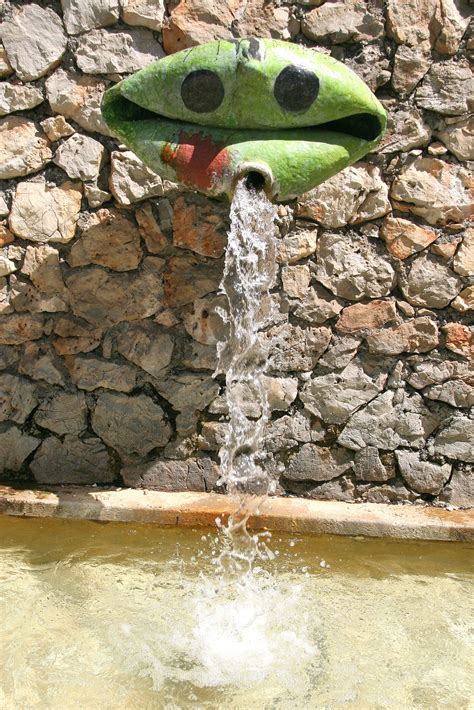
(294, 515)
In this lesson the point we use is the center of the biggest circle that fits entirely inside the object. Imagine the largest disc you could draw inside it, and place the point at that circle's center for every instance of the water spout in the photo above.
(254, 180)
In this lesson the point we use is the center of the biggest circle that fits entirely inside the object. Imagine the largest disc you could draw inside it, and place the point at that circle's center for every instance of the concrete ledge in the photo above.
(294, 515)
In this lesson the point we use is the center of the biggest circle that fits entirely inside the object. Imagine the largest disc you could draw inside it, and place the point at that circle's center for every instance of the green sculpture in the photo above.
(286, 115)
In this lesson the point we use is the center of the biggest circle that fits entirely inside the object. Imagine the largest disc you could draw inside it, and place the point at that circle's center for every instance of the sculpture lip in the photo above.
(212, 159)
(361, 124)
(198, 116)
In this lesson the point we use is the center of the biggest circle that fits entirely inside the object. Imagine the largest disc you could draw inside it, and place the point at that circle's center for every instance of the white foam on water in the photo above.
(247, 631)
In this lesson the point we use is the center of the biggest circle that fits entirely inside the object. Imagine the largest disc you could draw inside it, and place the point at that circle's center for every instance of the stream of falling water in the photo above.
(249, 273)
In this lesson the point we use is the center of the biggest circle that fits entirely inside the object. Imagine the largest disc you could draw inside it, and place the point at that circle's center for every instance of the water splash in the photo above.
(249, 273)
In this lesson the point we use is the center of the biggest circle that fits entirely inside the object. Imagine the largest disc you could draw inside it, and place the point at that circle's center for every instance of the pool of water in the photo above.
(133, 616)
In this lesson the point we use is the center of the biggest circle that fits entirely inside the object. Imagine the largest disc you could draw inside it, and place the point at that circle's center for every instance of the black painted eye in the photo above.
(202, 91)
(296, 88)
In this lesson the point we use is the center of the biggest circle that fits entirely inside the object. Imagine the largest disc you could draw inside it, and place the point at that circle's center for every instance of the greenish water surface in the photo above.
(106, 615)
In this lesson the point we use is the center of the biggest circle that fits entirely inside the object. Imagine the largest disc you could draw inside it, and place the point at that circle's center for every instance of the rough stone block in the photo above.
(17, 398)
(91, 373)
(108, 238)
(130, 425)
(45, 214)
(34, 40)
(82, 15)
(199, 474)
(116, 51)
(455, 439)
(63, 413)
(334, 398)
(15, 447)
(23, 149)
(77, 97)
(103, 298)
(72, 461)
(352, 268)
(316, 463)
(388, 424)
(422, 476)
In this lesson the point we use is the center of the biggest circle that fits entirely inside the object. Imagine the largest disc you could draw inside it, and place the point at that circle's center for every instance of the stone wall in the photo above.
(108, 276)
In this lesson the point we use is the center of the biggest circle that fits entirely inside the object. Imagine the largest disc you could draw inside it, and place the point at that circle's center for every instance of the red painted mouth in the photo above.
(197, 159)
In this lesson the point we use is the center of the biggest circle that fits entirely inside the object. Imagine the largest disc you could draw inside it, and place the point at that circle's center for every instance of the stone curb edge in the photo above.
(294, 515)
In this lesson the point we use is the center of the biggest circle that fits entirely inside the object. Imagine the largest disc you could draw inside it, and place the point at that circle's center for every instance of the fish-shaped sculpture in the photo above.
(287, 116)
